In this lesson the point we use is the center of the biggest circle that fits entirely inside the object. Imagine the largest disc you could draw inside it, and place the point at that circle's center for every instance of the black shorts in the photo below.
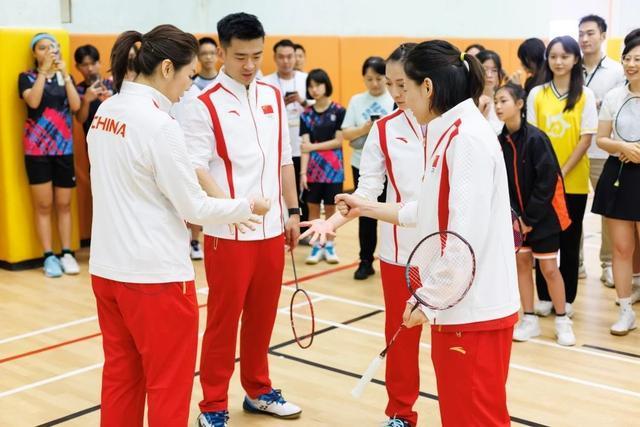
(322, 192)
(43, 169)
(545, 248)
(617, 195)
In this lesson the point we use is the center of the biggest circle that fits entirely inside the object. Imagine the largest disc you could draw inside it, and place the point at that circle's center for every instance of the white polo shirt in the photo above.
(608, 74)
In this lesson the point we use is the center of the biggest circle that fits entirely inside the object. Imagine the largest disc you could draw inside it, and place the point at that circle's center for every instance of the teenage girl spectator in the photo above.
(565, 110)
(531, 55)
(322, 169)
(207, 57)
(601, 74)
(617, 197)
(364, 108)
(493, 73)
(474, 49)
(94, 88)
(301, 57)
(51, 98)
(537, 194)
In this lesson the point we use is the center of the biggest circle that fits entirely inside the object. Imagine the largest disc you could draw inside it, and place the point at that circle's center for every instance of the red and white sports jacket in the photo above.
(465, 190)
(240, 134)
(394, 149)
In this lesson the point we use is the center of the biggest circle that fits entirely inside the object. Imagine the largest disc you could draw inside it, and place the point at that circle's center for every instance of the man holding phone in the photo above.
(293, 84)
(93, 89)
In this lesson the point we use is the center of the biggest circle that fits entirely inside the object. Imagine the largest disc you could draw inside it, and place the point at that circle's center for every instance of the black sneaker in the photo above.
(365, 269)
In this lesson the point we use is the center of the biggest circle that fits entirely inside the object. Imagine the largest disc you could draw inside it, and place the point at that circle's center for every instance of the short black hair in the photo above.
(86, 50)
(242, 26)
(207, 40)
(284, 43)
(376, 63)
(319, 76)
(297, 46)
(475, 45)
(600, 22)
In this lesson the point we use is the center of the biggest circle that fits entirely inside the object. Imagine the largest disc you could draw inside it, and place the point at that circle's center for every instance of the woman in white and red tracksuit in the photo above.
(394, 150)
(144, 188)
(464, 190)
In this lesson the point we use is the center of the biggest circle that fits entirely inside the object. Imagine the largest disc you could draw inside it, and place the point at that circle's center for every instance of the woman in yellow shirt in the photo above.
(565, 110)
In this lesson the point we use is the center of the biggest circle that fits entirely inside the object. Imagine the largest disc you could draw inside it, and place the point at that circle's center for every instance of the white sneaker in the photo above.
(196, 251)
(543, 308)
(529, 327)
(330, 254)
(271, 404)
(582, 272)
(316, 255)
(564, 331)
(69, 264)
(607, 276)
(626, 323)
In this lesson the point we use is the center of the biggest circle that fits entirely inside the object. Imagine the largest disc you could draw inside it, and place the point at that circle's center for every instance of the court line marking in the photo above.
(203, 291)
(284, 310)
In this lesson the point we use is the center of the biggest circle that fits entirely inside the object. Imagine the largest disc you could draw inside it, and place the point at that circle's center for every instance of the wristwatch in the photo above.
(294, 211)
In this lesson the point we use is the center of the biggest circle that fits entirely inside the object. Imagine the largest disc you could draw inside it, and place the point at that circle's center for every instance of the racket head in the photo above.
(303, 323)
(627, 122)
(440, 270)
(518, 235)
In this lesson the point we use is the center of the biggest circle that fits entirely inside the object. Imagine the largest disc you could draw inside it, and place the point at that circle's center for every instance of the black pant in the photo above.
(367, 227)
(569, 251)
(301, 201)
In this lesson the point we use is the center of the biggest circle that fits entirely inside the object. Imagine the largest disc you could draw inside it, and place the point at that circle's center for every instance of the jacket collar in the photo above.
(443, 123)
(237, 88)
(138, 89)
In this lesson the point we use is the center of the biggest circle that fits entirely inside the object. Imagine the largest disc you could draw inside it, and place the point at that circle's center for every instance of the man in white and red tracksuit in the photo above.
(237, 137)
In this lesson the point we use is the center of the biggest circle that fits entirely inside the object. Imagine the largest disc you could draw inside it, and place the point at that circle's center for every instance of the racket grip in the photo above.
(367, 377)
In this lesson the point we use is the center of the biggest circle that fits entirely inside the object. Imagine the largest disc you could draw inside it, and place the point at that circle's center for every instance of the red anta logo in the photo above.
(234, 112)
(267, 109)
(107, 124)
(403, 139)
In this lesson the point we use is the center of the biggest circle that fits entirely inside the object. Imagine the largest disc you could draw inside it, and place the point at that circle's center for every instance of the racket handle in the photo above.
(367, 377)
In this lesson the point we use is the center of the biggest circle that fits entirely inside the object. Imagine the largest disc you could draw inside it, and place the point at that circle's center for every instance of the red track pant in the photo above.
(471, 371)
(402, 375)
(150, 340)
(244, 278)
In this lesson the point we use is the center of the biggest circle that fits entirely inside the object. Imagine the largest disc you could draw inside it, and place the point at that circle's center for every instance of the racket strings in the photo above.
(441, 271)
(518, 235)
(627, 123)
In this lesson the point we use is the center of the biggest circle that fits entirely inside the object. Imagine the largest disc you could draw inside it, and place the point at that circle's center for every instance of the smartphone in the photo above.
(374, 117)
(288, 94)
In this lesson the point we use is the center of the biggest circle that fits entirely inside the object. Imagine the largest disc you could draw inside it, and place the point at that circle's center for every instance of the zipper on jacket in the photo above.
(516, 176)
(264, 160)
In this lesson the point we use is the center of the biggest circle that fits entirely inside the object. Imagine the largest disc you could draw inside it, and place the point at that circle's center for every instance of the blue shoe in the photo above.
(273, 404)
(52, 266)
(213, 419)
(317, 252)
(330, 254)
(396, 422)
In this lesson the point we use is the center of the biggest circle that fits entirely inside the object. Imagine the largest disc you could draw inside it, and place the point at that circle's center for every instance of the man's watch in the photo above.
(295, 211)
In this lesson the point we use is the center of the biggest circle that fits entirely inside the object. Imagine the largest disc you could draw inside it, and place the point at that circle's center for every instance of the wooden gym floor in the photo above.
(51, 354)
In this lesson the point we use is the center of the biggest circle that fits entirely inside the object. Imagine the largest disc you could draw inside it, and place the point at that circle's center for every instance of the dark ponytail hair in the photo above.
(631, 41)
(163, 42)
(577, 77)
(455, 76)
(531, 54)
(401, 52)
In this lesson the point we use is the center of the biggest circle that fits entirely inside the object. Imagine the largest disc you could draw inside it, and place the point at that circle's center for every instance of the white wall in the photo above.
(454, 18)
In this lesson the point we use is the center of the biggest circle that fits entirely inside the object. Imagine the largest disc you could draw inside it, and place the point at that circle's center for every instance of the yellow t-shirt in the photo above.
(564, 128)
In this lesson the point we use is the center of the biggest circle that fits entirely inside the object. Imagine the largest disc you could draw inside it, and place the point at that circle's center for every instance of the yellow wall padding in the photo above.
(18, 238)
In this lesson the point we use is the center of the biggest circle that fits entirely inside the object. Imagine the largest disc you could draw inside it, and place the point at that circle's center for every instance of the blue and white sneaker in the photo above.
(317, 252)
(52, 266)
(330, 253)
(271, 404)
(213, 419)
(396, 422)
